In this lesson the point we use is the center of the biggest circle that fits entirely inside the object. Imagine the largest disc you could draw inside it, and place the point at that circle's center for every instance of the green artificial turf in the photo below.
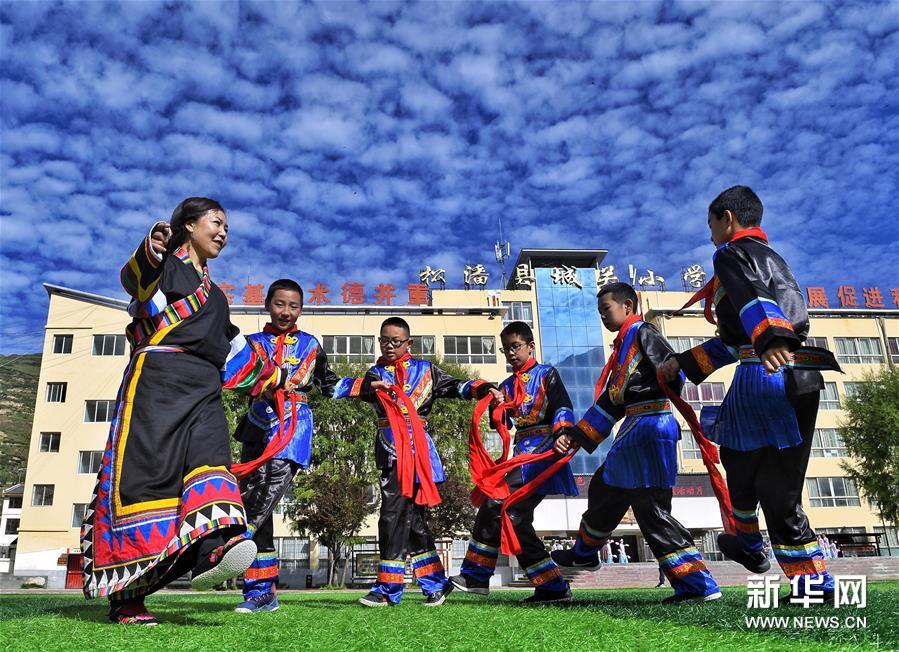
(622, 619)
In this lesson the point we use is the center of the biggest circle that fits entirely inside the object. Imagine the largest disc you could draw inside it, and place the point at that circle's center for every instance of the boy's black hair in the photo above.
(399, 322)
(621, 292)
(283, 284)
(518, 328)
(742, 202)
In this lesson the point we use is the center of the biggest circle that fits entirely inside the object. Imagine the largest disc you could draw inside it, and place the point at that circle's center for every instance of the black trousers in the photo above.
(402, 526)
(487, 525)
(774, 478)
(260, 492)
(607, 505)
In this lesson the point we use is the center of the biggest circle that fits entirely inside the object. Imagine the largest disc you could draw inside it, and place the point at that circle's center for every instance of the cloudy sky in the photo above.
(362, 141)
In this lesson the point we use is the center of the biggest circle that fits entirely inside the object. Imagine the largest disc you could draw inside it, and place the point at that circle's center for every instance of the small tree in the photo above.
(871, 434)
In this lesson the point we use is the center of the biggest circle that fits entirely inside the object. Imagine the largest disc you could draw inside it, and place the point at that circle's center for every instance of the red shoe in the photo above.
(131, 612)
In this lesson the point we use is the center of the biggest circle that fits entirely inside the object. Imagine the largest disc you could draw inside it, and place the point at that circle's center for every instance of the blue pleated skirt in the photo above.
(644, 453)
(756, 412)
(561, 482)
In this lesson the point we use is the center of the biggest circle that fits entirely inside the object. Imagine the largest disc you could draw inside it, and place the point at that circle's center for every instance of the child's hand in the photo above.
(670, 369)
(380, 384)
(497, 397)
(289, 387)
(564, 444)
(159, 239)
(775, 357)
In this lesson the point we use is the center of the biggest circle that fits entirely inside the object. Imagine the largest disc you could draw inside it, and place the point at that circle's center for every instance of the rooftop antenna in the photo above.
(503, 250)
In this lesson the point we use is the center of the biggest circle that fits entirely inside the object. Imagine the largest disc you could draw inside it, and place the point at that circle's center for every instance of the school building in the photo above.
(84, 355)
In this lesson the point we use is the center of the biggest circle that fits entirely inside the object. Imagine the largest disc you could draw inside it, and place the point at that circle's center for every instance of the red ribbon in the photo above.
(279, 442)
(489, 475)
(707, 291)
(612, 362)
(709, 455)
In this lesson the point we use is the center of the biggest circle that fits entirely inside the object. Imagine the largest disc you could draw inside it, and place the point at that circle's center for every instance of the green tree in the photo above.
(871, 433)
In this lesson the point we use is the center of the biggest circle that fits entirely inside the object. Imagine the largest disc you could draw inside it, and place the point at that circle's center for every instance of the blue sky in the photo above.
(362, 141)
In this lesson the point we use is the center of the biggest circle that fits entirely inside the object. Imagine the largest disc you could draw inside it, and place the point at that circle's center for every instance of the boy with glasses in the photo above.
(541, 412)
(402, 527)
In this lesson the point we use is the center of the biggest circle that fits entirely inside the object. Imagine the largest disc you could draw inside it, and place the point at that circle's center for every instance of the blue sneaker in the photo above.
(257, 603)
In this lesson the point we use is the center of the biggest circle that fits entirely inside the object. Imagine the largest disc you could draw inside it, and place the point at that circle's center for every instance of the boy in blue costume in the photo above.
(641, 467)
(542, 413)
(765, 424)
(301, 356)
(402, 526)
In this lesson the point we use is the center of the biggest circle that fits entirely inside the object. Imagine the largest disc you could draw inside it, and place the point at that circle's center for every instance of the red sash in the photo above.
(707, 292)
(612, 362)
(709, 456)
(279, 442)
(489, 475)
(413, 454)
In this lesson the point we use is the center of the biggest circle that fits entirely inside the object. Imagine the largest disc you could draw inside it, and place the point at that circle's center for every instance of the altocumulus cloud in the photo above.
(363, 141)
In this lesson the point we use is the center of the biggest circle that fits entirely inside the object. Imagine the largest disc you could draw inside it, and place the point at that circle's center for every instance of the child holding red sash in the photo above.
(541, 413)
(765, 424)
(410, 465)
(641, 467)
(305, 363)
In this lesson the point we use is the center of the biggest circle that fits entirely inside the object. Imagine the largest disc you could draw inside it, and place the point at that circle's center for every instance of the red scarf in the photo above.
(413, 455)
(612, 362)
(709, 455)
(708, 290)
(489, 475)
(279, 442)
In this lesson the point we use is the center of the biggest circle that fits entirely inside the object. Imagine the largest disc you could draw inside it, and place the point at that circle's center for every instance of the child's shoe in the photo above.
(542, 596)
(467, 584)
(754, 562)
(570, 559)
(258, 603)
(374, 600)
(692, 597)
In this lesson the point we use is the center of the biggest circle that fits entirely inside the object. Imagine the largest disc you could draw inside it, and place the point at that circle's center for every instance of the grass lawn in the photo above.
(608, 620)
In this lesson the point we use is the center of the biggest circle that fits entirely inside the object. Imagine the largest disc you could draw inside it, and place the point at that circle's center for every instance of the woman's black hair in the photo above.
(187, 212)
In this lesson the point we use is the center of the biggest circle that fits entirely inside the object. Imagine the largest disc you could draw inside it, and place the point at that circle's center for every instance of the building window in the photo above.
(859, 350)
(56, 392)
(285, 502)
(98, 411)
(827, 442)
(699, 396)
(62, 344)
(350, 348)
(293, 553)
(894, 348)
(832, 492)
(323, 557)
(42, 496)
(12, 526)
(15, 502)
(851, 389)
(889, 543)
(830, 399)
(50, 442)
(680, 343)
(688, 446)
(78, 511)
(424, 347)
(475, 349)
(109, 345)
(518, 311)
(89, 461)
(820, 342)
